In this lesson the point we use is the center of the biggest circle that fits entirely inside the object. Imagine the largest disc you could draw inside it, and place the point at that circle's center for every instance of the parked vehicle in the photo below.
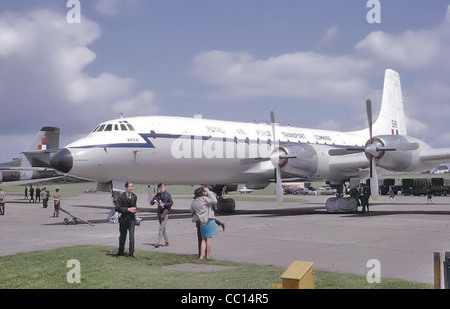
(305, 191)
(325, 190)
(245, 190)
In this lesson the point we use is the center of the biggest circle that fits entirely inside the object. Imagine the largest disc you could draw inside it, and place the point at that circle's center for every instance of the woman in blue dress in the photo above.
(202, 208)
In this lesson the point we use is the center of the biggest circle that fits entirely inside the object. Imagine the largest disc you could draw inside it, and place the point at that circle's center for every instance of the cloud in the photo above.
(113, 7)
(44, 77)
(107, 7)
(410, 50)
(330, 35)
(302, 75)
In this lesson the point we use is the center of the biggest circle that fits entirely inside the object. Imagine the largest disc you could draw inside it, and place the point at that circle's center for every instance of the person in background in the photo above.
(57, 203)
(31, 194)
(429, 195)
(44, 195)
(38, 194)
(2, 202)
(365, 194)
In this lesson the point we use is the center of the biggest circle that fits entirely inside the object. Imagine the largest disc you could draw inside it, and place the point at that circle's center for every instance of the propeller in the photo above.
(373, 149)
(373, 170)
(275, 158)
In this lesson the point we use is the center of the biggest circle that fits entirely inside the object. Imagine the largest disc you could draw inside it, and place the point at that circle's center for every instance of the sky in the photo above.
(314, 63)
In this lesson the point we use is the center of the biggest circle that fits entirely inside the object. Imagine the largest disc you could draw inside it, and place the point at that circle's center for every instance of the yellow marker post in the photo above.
(299, 275)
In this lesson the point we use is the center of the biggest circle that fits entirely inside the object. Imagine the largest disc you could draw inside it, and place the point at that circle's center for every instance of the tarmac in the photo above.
(401, 233)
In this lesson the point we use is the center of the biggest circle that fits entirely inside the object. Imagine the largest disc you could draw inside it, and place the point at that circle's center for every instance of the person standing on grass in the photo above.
(126, 206)
(202, 210)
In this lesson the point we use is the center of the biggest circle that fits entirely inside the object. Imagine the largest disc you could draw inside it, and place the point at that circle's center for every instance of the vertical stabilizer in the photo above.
(391, 120)
(46, 139)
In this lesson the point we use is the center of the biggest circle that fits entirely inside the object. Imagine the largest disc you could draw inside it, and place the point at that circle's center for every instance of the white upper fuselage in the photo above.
(178, 150)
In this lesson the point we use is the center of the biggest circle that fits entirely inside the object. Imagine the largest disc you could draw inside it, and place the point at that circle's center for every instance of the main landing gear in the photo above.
(224, 204)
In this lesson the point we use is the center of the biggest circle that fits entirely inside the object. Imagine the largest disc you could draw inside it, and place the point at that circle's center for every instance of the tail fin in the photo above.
(47, 138)
(45, 143)
(392, 120)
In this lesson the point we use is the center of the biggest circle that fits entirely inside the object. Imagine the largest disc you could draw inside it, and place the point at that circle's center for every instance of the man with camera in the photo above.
(164, 201)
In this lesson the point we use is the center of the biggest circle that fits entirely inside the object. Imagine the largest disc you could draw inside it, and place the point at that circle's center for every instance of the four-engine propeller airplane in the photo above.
(179, 150)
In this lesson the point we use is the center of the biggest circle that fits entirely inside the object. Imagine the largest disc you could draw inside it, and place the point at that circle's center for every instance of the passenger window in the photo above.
(101, 128)
(116, 127)
(123, 127)
(130, 127)
(96, 128)
(108, 127)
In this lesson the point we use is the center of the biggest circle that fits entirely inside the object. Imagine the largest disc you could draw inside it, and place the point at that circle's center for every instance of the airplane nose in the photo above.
(62, 161)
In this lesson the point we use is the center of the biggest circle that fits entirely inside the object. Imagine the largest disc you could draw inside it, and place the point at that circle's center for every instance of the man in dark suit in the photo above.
(365, 194)
(126, 206)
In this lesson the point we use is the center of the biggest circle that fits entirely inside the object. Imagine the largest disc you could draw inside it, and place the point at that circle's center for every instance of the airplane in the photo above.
(34, 163)
(197, 151)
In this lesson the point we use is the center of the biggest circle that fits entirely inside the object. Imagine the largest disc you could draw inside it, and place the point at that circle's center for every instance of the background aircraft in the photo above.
(179, 150)
(34, 162)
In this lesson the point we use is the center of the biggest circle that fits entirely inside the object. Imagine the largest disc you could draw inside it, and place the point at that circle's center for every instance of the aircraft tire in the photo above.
(227, 205)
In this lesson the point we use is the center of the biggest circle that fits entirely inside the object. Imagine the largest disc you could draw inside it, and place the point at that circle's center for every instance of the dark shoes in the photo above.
(123, 254)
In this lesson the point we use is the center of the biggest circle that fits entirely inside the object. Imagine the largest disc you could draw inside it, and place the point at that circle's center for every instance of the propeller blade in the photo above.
(401, 147)
(344, 151)
(272, 121)
(278, 186)
(369, 116)
(373, 180)
(275, 161)
(282, 157)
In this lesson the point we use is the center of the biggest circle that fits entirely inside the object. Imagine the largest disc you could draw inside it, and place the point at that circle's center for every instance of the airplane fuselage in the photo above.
(180, 150)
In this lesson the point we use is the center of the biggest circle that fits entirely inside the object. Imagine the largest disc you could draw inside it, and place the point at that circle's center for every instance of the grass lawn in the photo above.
(101, 270)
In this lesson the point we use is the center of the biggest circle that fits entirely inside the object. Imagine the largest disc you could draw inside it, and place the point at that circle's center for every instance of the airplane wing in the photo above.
(435, 154)
(25, 168)
(28, 182)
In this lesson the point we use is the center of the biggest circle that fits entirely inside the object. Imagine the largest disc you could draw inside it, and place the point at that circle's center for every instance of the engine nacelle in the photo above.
(304, 165)
(398, 160)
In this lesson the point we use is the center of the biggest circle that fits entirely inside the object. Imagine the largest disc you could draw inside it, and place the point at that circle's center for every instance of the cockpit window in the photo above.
(114, 127)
